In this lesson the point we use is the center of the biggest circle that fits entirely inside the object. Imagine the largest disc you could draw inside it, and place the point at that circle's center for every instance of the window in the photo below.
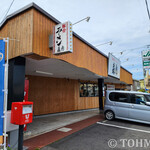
(88, 90)
(83, 90)
(96, 90)
(137, 99)
(118, 97)
(147, 98)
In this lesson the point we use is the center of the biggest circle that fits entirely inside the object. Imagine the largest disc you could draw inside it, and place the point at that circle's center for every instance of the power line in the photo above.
(7, 11)
(127, 59)
(147, 9)
(121, 52)
(130, 50)
(110, 43)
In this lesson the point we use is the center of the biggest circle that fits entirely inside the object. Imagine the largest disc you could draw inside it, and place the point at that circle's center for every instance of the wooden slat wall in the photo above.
(20, 28)
(125, 76)
(82, 56)
(51, 95)
(32, 29)
(88, 102)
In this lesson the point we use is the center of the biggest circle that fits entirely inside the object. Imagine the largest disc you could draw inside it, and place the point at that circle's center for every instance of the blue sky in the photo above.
(125, 22)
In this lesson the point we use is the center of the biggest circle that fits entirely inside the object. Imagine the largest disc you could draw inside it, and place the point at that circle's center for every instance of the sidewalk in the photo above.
(59, 133)
(46, 123)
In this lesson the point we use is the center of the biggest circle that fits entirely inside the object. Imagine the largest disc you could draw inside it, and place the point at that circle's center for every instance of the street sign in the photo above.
(146, 64)
(146, 54)
(2, 68)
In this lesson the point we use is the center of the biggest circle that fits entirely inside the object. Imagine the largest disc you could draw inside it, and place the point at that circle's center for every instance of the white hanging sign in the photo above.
(62, 38)
(114, 66)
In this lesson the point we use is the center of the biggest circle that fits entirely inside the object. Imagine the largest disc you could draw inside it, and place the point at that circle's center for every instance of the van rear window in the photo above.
(118, 97)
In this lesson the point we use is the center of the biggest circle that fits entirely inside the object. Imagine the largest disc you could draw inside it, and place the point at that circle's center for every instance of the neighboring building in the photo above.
(147, 80)
(128, 87)
(136, 85)
(57, 83)
(142, 84)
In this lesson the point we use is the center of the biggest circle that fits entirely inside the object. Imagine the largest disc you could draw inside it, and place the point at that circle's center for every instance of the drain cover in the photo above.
(64, 129)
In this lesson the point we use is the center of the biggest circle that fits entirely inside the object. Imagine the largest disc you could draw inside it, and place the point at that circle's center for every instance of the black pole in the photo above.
(16, 79)
(20, 139)
(100, 87)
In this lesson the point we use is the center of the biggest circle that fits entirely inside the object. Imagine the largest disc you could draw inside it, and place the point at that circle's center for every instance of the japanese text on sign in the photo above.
(62, 40)
(114, 66)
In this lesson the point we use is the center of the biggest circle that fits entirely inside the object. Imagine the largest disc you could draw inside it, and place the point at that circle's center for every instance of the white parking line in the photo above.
(122, 127)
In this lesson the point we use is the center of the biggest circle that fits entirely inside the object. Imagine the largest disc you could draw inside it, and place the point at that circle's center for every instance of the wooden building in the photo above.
(60, 90)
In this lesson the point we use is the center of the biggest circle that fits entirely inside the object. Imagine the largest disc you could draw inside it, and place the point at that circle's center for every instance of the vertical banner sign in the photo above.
(62, 38)
(2, 62)
(114, 66)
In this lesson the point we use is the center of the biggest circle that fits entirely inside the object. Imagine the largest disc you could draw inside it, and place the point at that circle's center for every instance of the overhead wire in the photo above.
(143, 16)
(7, 11)
(131, 50)
(147, 9)
(121, 52)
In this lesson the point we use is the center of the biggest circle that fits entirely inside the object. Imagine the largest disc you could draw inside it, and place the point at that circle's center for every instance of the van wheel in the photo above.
(109, 115)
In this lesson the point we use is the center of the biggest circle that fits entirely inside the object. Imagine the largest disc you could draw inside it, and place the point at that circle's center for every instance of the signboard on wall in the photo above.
(146, 64)
(62, 38)
(110, 87)
(114, 66)
(2, 62)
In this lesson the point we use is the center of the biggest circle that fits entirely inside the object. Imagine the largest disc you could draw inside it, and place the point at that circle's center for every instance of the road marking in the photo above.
(112, 125)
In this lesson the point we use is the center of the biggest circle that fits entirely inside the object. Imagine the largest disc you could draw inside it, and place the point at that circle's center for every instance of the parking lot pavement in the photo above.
(55, 135)
(107, 135)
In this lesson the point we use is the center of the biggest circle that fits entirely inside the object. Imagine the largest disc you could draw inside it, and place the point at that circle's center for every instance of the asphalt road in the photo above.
(107, 135)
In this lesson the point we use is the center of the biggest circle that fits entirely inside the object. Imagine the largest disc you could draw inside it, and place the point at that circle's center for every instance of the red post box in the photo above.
(21, 113)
